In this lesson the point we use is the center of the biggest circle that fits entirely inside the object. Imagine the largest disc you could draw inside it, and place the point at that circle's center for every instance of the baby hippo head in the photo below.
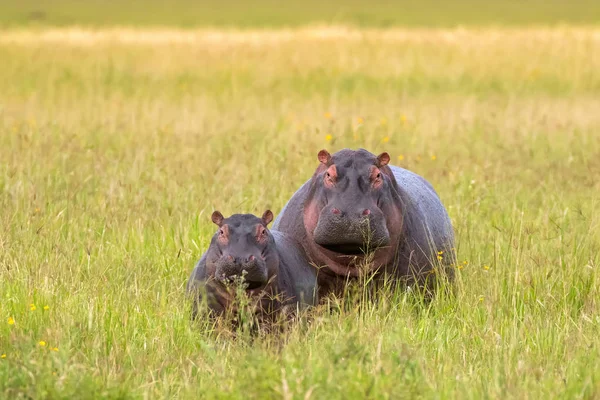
(243, 249)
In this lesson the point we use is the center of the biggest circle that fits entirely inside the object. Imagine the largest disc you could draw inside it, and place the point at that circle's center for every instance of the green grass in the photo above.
(276, 13)
(113, 156)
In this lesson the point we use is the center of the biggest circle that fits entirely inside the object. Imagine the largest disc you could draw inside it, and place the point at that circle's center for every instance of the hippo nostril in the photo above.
(336, 211)
(366, 211)
(251, 258)
(229, 258)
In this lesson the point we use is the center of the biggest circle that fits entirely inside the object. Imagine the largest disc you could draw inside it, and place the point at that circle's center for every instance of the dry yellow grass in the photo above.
(162, 36)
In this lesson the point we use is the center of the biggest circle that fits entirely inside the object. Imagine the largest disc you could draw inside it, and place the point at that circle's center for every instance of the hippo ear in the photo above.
(324, 157)
(383, 159)
(267, 217)
(217, 218)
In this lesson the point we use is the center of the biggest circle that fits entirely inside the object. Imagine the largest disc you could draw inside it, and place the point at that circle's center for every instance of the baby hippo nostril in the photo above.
(251, 258)
(336, 211)
(366, 211)
(229, 258)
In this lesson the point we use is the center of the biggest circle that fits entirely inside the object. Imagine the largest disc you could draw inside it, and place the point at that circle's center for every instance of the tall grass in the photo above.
(114, 154)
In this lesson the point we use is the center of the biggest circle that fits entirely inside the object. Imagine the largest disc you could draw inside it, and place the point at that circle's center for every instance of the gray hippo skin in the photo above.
(356, 203)
(274, 268)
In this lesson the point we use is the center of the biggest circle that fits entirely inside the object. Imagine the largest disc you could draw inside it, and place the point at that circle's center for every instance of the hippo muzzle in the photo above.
(251, 269)
(351, 233)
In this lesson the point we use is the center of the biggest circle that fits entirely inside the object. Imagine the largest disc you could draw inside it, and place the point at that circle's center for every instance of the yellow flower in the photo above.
(3, 356)
(486, 267)
(481, 298)
(433, 158)
(459, 266)
(32, 307)
(403, 119)
(11, 321)
(42, 343)
(383, 121)
(46, 308)
(440, 252)
(401, 157)
(328, 137)
(360, 120)
(54, 349)
(328, 115)
(440, 257)
(385, 139)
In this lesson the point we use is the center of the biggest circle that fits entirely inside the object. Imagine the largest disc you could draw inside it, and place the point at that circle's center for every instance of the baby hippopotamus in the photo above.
(271, 267)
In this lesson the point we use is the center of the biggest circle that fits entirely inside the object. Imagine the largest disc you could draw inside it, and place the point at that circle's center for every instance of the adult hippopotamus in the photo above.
(271, 266)
(358, 213)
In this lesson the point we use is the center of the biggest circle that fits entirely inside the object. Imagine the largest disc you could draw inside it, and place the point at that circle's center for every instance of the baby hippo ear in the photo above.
(324, 157)
(267, 217)
(217, 218)
(383, 159)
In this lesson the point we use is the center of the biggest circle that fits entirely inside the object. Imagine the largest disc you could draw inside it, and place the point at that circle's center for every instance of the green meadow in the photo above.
(118, 141)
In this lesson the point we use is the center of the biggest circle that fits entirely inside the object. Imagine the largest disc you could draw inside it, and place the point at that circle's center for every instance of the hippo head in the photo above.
(352, 210)
(244, 248)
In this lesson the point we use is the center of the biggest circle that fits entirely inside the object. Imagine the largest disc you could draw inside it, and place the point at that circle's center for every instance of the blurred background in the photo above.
(273, 13)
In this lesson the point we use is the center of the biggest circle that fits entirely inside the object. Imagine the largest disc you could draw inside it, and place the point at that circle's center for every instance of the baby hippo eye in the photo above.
(262, 233)
(221, 233)
(379, 175)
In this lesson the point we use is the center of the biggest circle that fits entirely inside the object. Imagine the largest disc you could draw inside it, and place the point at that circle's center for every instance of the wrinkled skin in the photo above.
(271, 267)
(358, 214)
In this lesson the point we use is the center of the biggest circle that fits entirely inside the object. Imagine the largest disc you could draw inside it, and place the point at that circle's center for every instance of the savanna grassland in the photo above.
(116, 144)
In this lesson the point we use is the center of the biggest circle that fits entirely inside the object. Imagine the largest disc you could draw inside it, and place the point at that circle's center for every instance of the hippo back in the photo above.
(198, 275)
(428, 222)
(294, 205)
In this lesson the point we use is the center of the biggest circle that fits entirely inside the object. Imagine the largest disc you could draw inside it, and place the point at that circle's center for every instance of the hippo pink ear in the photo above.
(324, 157)
(267, 217)
(383, 159)
(217, 218)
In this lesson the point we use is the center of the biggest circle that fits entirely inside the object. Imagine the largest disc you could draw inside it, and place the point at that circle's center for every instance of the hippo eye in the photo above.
(262, 234)
(221, 233)
(329, 179)
(377, 182)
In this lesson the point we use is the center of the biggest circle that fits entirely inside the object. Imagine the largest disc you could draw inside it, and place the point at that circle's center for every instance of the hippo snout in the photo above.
(351, 232)
(251, 269)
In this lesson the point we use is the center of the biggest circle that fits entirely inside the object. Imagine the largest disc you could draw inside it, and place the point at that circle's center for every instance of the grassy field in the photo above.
(117, 144)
